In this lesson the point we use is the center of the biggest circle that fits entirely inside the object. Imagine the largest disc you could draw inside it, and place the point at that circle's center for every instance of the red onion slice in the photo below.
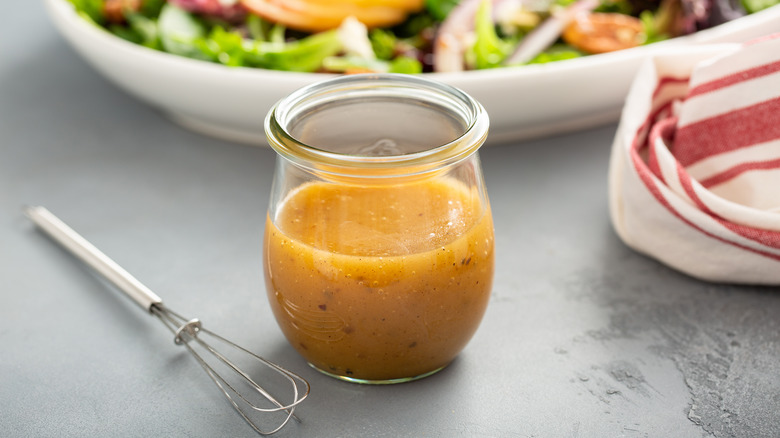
(548, 32)
(455, 35)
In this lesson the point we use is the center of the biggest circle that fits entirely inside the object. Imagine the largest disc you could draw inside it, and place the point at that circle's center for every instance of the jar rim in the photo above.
(309, 156)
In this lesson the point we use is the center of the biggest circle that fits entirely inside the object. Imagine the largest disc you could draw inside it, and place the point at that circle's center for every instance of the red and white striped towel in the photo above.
(695, 169)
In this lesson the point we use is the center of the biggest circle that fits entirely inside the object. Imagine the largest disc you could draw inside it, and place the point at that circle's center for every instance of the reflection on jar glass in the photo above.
(378, 250)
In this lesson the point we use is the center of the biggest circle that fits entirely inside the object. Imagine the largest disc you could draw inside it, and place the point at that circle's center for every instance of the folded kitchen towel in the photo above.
(695, 168)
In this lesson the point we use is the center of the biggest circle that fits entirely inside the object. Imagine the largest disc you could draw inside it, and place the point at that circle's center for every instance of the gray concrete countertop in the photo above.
(583, 337)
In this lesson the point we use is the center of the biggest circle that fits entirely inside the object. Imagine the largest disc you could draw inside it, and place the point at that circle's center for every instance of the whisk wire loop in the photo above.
(185, 331)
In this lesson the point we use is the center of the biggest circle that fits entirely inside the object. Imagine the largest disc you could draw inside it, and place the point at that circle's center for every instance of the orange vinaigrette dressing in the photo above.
(380, 283)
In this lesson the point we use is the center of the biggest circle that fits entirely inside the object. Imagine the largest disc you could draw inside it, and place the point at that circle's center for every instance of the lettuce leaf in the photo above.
(440, 9)
(557, 52)
(303, 55)
(401, 64)
(752, 6)
(91, 9)
(489, 49)
(180, 32)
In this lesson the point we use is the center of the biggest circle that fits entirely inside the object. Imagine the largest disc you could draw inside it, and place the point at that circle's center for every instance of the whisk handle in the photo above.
(93, 257)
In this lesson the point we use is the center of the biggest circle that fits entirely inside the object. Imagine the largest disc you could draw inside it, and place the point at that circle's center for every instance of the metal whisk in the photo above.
(187, 332)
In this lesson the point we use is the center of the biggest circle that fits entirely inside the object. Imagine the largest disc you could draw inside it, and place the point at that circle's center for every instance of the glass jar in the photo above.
(378, 249)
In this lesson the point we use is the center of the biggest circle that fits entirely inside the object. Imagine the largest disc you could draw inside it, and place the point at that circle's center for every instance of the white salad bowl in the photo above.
(523, 102)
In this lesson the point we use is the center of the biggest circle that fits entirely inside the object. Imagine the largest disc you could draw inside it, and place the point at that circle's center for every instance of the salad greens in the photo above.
(752, 6)
(92, 10)
(441, 35)
(182, 34)
(489, 49)
(440, 9)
